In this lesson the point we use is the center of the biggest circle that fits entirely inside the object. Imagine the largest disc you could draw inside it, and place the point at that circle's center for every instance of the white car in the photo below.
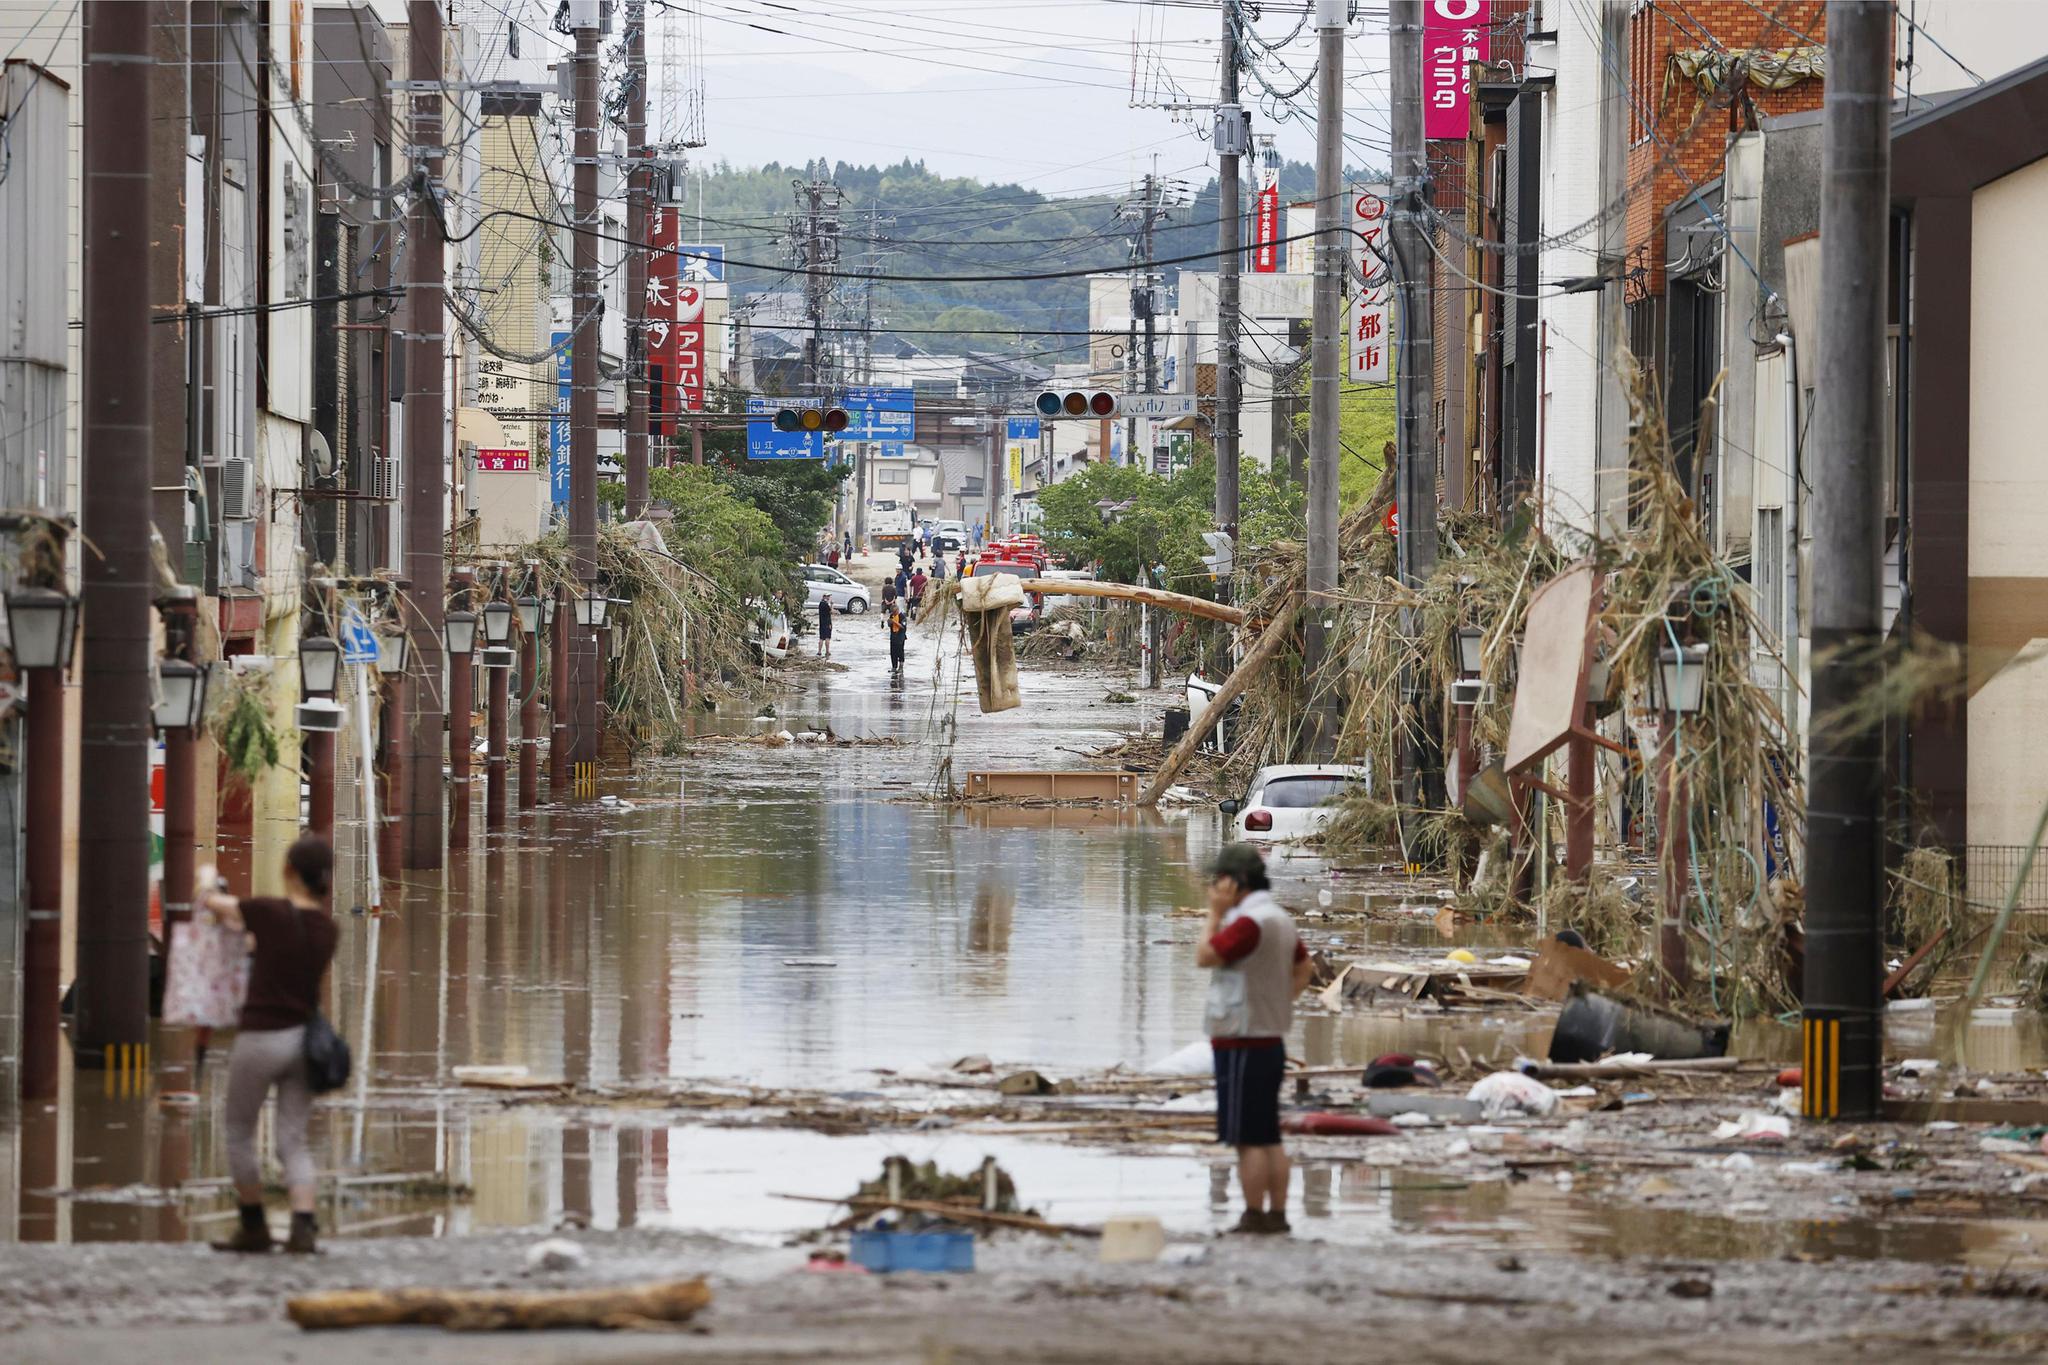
(949, 537)
(822, 581)
(1294, 800)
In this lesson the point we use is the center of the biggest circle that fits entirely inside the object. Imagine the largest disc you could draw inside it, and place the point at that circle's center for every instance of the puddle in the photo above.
(680, 935)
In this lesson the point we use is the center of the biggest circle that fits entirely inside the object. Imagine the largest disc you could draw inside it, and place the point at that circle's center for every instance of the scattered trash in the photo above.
(1792, 1076)
(1692, 1289)
(1119, 698)
(1184, 1253)
(1131, 1240)
(1395, 1070)
(1919, 1066)
(1753, 1127)
(1464, 955)
(1559, 966)
(930, 1122)
(1737, 1161)
(833, 1263)
(502, 1078)
(1032, 1083)
(1196, 1059)
(1413, 1118)
(1337, 1125)
(1510, 1092)
(1391, 1104)
(556, 1253)
(809, 962)
(975, 1065)
(1656, 1187)
(1509, 1265)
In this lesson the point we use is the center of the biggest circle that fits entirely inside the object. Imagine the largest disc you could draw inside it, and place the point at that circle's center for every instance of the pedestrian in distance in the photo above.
(1257, 966)
(824, 627)
(294, 942)
(898, 626)
(902, 583)
(917, 585)
(846, 546)
(938, 568)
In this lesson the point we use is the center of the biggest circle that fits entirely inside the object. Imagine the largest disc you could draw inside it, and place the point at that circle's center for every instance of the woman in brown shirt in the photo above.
(293, 942)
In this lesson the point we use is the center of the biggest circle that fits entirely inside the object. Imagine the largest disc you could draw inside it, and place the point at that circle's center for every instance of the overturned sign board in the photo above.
(1557, 653)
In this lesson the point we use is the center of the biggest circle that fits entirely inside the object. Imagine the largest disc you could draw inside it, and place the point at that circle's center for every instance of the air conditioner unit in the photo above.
(384, 478)
(237, 490)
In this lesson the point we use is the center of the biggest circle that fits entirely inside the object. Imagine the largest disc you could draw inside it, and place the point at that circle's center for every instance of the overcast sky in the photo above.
(1034, 91)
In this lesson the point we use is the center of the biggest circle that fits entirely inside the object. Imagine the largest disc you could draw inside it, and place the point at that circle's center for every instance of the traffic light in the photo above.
(831, 421)
(1221, 556)
(1078, 403)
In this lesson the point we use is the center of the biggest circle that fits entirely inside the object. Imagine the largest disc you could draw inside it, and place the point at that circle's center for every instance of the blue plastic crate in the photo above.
(884, 1251)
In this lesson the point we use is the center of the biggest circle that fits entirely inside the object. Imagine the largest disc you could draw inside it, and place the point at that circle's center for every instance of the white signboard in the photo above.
(1157, 405)
(1368, 338)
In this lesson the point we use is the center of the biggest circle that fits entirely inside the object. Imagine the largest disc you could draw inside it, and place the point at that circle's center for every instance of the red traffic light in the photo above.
(1102, 404)
(835, 420)
(1078, 403)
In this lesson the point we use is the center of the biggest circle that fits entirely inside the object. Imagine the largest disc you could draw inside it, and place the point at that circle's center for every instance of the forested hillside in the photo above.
(932, 225)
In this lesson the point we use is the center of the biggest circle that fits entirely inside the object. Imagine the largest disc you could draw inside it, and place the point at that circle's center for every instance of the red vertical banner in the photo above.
(662, 227)
(1454, 35)
(1266, 230)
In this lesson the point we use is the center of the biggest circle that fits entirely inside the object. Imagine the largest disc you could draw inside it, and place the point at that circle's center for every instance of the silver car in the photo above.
(822, 581)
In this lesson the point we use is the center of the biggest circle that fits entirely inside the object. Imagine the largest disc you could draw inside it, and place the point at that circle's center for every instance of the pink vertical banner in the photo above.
(1454, 35)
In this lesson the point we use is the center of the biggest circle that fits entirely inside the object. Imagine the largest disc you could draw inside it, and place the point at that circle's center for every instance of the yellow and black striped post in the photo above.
(125, 1069)
(1820, 1095)
(586, 779)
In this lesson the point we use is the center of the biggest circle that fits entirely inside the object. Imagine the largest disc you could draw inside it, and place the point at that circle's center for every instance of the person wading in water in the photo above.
(294, 942)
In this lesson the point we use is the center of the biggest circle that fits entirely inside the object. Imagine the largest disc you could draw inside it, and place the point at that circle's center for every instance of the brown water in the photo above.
(800, 916)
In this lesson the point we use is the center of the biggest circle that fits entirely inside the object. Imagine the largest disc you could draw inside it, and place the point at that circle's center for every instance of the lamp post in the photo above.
(459, 635)
(180, 714)
(530, 614)
(1681, 691)
(319, 671)
(42, 623)
(498, 656)
(559, 705)
(394, 657)
(1465, 702)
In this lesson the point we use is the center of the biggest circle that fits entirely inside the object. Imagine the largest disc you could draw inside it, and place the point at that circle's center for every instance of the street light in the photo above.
(591, 609)
(1682, 679)
(459, 633)
(529, 615)
(497, 624)
(43, 624)
(1471, 650)
(394, 651)
(321, 716)
(180, 695)
(319, 665)
(547, 612)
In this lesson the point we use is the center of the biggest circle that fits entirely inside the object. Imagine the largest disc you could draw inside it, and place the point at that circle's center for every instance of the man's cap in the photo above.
(1238, 861)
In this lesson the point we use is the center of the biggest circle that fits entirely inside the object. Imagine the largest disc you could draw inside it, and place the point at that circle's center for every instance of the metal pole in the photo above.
(422, 834)
(494, 750)
(373, 848)
(320, 804)
(1674, 860)
(638, 192)
(529, 721)
(42, 946)
(111, 1022)
(1580, 760)
(585, 665)
(1843, 1018)
(1326, 350)
(558, 696)
(1229, 246)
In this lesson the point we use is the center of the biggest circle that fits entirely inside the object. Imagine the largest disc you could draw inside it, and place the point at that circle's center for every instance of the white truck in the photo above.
(889, 520)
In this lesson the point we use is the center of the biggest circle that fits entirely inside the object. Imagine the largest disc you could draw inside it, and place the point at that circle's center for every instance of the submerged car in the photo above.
(1294, 800)
(772, 636)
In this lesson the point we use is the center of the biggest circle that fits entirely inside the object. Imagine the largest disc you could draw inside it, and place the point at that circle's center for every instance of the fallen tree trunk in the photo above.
(1132, 592)
(1277, 634)
(1566, 1071)
(461, 1310)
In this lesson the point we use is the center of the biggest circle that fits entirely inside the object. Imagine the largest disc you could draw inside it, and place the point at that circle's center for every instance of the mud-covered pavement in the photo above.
(747, 971)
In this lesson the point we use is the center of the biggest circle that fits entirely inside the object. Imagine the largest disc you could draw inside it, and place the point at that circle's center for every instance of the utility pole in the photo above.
(1843, 1015)
(1415, 446)
(1325, 375)
(817, 235)
(1233, 128)
(584, 660)
(422, 832)
(111, 1023)
(638, 191)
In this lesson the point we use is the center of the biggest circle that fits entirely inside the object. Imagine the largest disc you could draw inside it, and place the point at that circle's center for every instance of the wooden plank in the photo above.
(1088, 784)
(1278, 632)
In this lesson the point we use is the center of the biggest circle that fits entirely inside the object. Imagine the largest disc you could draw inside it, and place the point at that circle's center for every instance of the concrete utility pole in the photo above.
(1415, 446)
(1843, 1018)
(638, 192)
(586, 663)
(422, 831)
(1232, 129)
(1326, 374)
(818, 233)
(111, 1023)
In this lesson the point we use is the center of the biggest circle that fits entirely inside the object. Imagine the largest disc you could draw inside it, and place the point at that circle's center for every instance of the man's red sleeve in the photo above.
(1235, 941)
(1300, 951)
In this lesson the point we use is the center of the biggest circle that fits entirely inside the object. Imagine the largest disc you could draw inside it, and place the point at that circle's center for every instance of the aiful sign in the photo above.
(1454, 35)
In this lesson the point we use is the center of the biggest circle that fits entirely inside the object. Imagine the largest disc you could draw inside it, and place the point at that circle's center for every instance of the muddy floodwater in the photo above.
(804, 915)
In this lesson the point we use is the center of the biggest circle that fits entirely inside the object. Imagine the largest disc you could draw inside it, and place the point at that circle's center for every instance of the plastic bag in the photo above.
(1510, 1092)
(207, 977)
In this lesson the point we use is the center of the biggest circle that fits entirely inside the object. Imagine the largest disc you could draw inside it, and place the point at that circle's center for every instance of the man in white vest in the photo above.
(1257, 968)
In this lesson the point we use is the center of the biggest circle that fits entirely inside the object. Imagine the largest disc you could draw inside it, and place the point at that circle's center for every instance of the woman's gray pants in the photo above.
(263, 1058)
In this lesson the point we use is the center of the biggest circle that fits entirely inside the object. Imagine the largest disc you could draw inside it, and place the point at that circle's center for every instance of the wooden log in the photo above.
(464, 1310)
(1133, 592)
(1277, 634)
(1610, 1068)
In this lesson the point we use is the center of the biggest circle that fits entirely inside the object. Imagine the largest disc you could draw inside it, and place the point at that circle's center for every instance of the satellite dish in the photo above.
(319, 457)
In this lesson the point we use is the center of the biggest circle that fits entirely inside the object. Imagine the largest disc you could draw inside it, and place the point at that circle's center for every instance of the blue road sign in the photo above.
(879, 414)
(558, 428)
(1020, 429)
(358, 641)
(764, 442)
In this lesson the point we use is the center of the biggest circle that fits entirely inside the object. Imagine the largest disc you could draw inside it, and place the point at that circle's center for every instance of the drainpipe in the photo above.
(529, 721)
(43, 945)
(461, 695)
